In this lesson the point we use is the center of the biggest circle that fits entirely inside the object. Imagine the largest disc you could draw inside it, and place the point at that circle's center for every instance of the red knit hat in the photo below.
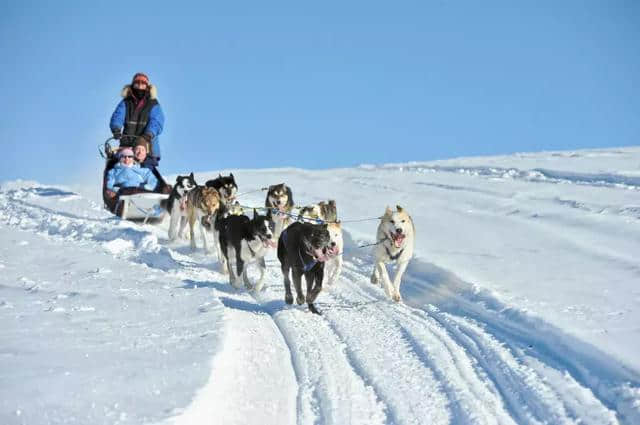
(140, 76)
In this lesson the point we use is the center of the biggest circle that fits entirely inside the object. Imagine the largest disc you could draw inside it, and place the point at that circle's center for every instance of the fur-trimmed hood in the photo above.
(126, 91)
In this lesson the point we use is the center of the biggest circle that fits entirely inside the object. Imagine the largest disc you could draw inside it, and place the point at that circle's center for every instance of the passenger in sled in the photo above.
(127, 177)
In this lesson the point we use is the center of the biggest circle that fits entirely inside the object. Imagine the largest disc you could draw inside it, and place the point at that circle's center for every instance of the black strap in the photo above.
(394, 257)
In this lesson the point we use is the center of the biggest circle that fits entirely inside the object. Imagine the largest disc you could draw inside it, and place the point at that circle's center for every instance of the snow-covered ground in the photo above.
(520, 306)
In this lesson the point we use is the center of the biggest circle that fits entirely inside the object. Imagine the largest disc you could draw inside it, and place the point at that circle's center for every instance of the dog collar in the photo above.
(394, 257)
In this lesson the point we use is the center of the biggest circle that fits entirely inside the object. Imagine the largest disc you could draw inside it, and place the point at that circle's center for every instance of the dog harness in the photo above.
(394, 257)
(305, 266)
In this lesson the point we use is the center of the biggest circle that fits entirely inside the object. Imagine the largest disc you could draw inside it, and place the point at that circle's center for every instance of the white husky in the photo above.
(397, 235)
(333, 266)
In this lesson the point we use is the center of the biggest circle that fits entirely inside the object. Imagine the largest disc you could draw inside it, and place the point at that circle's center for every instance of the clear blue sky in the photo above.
(252, 84)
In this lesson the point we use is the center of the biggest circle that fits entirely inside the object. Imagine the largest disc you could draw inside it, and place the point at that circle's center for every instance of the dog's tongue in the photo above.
(319, 255)
(398, 239)
(332, 252)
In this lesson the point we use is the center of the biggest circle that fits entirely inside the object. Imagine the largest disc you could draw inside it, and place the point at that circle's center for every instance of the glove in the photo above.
(110, 193)
(117, 133)
(148, 137)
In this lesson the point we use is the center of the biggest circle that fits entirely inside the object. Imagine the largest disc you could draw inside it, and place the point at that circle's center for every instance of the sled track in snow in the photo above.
(449, 355)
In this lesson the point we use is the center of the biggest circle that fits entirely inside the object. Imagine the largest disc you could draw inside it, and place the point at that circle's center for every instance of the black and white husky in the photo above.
(228, 189)
(397, 235)
(177, 205)
(244, 241)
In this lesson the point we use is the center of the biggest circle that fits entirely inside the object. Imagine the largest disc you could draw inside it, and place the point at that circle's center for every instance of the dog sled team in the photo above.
(308, 243)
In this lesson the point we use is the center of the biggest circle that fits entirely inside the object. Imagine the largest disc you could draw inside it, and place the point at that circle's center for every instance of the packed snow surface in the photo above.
(521, 304)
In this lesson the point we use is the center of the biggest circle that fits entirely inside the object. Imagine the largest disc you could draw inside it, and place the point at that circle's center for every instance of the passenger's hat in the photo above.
(126, 152)
(140, 76)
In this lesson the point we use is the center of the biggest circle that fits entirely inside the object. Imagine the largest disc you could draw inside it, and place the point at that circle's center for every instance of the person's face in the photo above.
(140, 153)
(140, 84)
(127, 160)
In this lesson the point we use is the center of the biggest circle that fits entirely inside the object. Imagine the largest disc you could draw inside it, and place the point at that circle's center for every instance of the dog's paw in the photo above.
(300, 299)
(396, 297)
(288, 298)
(374, 279)
(314, 310)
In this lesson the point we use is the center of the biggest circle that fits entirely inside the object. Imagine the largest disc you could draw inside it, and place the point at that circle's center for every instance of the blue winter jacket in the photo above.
(154, 125)
(121, 176)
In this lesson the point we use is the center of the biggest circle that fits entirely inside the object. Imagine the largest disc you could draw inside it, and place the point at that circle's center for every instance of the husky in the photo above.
(333, 266)
(226, 186)
(228, 189)
(322, 211)
(245, 241)
(202, 202)
(303, 249)
(326, 212)
(280, 199)
(397, 235)
(176, 204)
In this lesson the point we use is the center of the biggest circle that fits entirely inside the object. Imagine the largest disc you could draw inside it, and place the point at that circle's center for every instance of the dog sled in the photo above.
(133, 204)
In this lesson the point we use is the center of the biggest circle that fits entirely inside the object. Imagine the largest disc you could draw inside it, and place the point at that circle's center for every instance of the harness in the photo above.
(393, 257)
(305, 266)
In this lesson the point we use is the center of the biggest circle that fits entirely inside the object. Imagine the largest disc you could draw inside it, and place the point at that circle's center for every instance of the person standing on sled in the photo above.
(139, 117)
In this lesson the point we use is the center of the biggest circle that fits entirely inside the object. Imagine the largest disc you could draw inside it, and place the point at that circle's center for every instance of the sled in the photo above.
(145, 207)
(131, 203)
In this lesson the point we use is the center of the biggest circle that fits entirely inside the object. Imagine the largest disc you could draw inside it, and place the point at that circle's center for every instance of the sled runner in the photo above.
(132, 203)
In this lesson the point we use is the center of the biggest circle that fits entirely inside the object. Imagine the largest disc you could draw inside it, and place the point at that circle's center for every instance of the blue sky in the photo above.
(317, 84)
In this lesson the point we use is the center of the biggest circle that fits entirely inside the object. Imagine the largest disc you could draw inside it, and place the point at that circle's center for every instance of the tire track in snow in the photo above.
(380, 354)
(527, 392)
(330, 389)
(472, 399)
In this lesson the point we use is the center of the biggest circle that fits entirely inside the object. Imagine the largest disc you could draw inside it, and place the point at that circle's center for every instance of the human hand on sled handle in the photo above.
(110, 193)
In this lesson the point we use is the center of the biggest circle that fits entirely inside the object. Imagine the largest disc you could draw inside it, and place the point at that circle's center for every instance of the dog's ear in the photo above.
(232, 178)
(290, 202)
(255, 214)
(388, 212)
(178, 179)
(191, 176)
(332, 202)
(399, 208)
(269, 215)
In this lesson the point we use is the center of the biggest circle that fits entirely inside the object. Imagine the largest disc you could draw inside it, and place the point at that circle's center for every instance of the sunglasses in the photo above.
(141, 82)
(127, 156)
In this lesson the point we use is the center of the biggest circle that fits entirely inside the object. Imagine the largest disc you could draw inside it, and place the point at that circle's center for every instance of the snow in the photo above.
(521, 304)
